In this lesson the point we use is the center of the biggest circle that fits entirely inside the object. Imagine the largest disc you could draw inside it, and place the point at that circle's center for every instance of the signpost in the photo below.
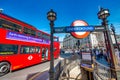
(59, 30)
(79, 29)
(99, 28)
(69, 29)
(82, 34)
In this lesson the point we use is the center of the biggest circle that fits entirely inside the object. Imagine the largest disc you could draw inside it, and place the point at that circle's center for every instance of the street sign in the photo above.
(59, 30)
(82, 34)
(99, 28)
(79, 29)
(68, 29)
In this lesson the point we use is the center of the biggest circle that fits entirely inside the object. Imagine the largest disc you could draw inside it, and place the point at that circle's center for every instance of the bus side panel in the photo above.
(18, 60)
(56, 49)
(2, 35)
(34, 58)
(21, 60)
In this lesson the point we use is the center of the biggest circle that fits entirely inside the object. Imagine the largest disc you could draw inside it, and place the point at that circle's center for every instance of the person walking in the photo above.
(96, 52)
(100, 54)
(73, 51)
(117, 57)
(105, 54)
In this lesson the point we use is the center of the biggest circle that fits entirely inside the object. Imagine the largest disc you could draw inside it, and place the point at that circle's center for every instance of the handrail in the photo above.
(101, 72)
(95, 61)
(62, 69)
(68, 64)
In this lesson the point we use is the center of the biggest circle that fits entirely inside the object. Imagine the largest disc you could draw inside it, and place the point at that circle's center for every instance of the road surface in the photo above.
(24, 73)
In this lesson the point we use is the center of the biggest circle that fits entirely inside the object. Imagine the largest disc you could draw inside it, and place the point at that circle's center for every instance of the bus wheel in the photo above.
(4, 68)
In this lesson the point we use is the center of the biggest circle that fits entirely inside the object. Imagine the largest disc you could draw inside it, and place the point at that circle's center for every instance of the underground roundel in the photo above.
(79, 34)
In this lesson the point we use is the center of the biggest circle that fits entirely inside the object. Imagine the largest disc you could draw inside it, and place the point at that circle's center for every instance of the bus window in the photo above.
(24, 49)
(26, 30)
(6, 49)
(29, 31)
(17, 28)
(46, 54)
(10, 26)
(46, 37)
(6, 25)
(43, 53)
(40, 34)
(37, 49)
(32, 49)
(33, 33)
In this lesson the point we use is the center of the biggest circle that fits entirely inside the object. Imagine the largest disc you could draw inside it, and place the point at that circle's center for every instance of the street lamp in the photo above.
(103, 14)
(51, 16)
(113, 30)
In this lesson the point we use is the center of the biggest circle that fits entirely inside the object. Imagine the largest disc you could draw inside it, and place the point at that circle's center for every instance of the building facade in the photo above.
(69, 42)
(95, 39)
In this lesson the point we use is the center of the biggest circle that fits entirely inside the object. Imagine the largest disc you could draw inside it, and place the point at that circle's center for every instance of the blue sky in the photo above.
(34, 12)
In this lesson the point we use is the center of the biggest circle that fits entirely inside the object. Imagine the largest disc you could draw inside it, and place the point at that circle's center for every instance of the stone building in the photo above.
(95, 39)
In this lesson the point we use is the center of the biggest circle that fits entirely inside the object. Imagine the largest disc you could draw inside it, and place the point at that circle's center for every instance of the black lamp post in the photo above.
(51, 16)
(103, 14)
(113, 30)
(78, 44)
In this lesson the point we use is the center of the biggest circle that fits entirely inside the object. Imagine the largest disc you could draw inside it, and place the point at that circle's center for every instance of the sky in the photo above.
(34, 12)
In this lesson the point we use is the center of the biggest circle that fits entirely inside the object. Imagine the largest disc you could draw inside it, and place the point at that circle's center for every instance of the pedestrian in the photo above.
(105, 55)
(96, 52)
(80, 53)
(73, 52)
(100, 53)
(117, 56)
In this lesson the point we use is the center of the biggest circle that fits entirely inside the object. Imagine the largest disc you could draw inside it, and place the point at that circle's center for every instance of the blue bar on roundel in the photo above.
(79, 28)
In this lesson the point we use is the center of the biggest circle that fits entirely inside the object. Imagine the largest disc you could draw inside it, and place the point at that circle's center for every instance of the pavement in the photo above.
(75, 73)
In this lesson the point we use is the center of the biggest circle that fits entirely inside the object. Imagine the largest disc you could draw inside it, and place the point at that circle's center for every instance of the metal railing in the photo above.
(101, 72)
(64, 67)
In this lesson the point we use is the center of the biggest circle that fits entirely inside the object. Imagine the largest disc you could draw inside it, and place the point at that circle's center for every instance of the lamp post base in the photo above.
(51, 74)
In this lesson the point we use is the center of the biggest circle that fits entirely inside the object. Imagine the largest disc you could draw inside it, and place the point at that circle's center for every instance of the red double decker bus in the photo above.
(22, 45)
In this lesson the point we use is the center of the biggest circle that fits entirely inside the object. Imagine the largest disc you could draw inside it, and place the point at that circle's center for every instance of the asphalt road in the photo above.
(22, 74)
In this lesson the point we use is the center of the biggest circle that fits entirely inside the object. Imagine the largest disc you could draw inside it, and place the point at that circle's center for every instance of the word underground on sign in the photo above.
(79, 29)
